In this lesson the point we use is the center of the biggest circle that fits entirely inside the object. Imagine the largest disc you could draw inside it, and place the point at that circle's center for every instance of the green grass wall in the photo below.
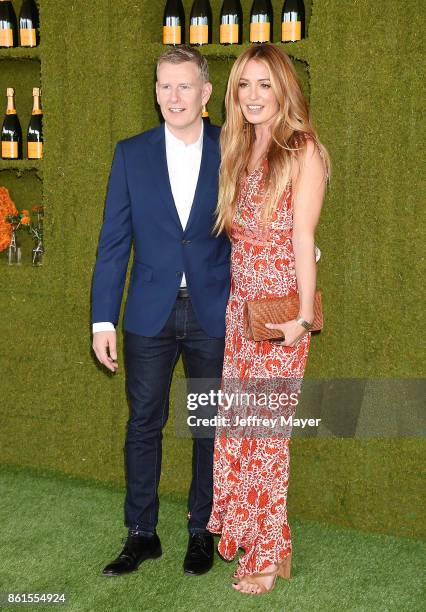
(358, 66)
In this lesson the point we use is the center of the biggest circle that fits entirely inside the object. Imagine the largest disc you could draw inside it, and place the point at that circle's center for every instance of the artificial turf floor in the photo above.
(57, 533)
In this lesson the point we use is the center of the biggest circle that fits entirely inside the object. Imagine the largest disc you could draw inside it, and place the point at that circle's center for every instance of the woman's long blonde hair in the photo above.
(288, 131)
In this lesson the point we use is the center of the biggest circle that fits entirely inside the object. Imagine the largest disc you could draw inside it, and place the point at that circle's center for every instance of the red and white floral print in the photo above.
(251, 473)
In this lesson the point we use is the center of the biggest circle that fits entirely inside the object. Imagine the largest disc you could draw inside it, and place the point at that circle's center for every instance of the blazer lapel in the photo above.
(160, 172)
(208, 171)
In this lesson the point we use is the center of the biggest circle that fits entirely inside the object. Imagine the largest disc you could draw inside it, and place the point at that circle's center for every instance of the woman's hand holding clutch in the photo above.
(292, 332)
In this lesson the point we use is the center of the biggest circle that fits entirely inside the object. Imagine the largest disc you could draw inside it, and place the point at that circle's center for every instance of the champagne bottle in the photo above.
(261, 21)
(11, 133)
(8, 25)
(174, 23)
(28, 24)
(200, 28)
(293, 20)
(35, 129)
(231, 23)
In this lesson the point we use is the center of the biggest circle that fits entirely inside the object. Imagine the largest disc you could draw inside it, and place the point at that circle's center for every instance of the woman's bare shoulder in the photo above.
(309, 156)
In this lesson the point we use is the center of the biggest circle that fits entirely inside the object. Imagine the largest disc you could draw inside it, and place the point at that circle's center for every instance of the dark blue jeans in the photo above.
(150, 363)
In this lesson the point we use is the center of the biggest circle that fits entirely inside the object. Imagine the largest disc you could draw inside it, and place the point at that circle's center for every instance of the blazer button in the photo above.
(185, 242)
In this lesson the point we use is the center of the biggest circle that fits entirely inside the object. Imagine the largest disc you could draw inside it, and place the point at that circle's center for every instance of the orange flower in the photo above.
(25, 212)
(7, 207)
(25, 220)
(5, 235)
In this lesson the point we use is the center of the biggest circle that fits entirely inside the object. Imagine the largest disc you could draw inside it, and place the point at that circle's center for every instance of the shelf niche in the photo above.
(22, 75)
(26, 190)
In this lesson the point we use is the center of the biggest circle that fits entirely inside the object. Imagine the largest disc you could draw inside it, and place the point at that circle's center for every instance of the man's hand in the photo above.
(105, 347)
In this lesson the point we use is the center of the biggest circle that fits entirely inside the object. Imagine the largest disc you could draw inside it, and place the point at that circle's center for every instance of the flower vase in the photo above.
(14, 251)
(37, 254)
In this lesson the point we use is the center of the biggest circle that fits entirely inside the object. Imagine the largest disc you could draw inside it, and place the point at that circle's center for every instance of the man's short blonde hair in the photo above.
(182, 54)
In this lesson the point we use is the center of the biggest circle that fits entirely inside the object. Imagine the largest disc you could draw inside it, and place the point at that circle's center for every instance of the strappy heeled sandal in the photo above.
(283, 570)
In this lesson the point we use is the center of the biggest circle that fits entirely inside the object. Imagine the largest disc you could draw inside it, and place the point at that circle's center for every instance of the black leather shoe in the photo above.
(200, 553)
(136, 549)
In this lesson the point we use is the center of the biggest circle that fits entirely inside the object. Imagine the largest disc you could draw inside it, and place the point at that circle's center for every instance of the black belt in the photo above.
(183, 293)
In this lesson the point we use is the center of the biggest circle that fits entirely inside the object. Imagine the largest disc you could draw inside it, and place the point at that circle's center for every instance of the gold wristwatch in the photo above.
(305, 324)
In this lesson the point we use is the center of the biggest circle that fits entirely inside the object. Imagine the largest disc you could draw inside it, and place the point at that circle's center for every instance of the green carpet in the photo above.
(57, 533)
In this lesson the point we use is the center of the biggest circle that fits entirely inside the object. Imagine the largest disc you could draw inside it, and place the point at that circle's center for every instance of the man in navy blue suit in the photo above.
(162, 196)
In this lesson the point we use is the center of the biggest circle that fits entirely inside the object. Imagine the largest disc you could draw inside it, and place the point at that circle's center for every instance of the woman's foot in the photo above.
(256, 584)
(264, 581)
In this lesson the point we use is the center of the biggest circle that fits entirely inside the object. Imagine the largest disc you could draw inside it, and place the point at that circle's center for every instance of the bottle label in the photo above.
(35, 150)
(291, 30)
(9, 150)
(28, 37)
(228, 33)
(6, 38)
(260, 32)
(172, 35)
(199, 34)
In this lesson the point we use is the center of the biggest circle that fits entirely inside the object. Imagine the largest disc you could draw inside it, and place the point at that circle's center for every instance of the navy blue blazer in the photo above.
(140, 209)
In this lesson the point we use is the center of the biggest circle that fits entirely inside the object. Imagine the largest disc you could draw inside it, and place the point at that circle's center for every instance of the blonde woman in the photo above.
(273, 177)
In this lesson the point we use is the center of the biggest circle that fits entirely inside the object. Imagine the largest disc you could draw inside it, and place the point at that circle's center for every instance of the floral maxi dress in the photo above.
(251, 473)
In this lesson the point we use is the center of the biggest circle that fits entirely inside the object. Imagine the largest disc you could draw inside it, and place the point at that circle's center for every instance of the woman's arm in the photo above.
(307, 203)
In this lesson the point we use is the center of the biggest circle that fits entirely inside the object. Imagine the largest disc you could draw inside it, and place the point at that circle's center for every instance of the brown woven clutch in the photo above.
(276, 310)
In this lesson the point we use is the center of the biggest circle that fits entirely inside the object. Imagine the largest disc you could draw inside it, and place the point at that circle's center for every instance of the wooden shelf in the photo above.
(297, 50)
(21, 53)
(22, 165)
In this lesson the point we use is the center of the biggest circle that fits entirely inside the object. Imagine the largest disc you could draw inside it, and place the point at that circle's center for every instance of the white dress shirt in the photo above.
(183, 163)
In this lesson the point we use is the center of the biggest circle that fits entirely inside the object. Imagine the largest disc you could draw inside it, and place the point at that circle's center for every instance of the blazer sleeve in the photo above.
(114, 246)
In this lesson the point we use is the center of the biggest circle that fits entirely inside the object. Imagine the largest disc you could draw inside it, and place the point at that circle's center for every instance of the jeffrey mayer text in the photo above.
(251, 421)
